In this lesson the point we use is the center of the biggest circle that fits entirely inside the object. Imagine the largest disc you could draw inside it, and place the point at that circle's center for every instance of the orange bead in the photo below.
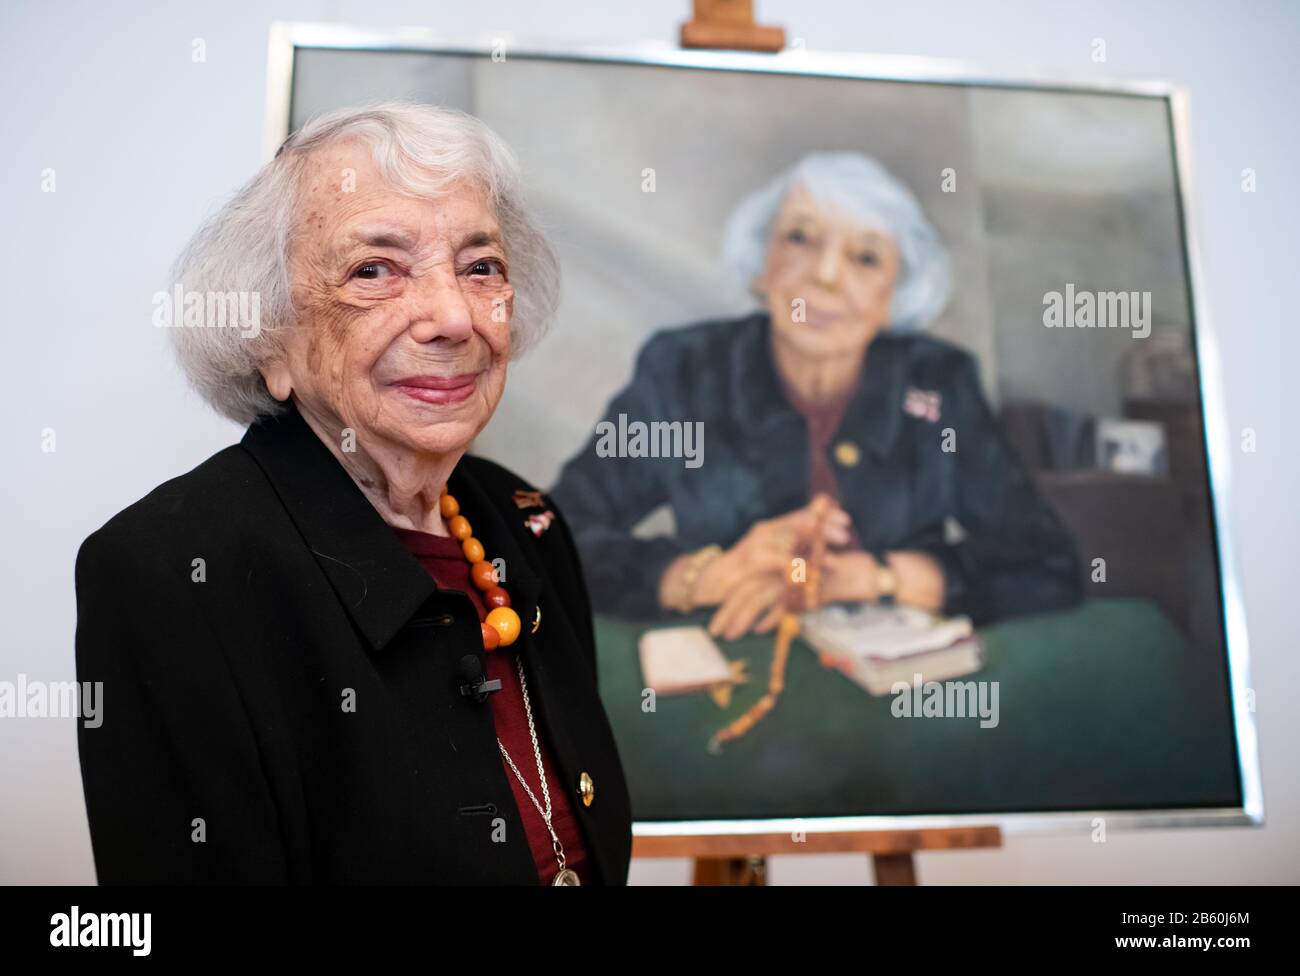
(448, 506)
(490, 637)
(506, 622)
(496, 597)
(458, 526)
(473, 549)
(484, 575)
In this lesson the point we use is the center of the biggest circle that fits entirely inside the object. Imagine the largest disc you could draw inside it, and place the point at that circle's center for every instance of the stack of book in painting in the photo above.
(878, 646)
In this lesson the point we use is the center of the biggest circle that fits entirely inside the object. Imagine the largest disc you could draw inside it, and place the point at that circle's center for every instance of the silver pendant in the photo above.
(567, 878)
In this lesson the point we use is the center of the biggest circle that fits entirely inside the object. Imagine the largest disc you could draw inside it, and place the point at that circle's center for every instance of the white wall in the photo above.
(144, 142)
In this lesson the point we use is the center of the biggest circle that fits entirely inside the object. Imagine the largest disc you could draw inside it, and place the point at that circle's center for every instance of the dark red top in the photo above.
(442, 558)
(823, 420)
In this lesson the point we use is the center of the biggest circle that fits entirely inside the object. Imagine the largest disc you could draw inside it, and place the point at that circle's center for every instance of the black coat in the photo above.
(902, 488)
(223, 699)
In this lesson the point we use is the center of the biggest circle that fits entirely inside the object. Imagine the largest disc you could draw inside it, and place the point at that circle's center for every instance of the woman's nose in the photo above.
(828, 269)
(440, 310)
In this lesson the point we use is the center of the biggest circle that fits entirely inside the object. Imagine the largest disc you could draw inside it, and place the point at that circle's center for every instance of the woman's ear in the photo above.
(278, 381)
(758, 287)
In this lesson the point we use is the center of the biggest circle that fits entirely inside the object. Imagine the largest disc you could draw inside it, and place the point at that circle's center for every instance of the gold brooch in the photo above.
(847, 454)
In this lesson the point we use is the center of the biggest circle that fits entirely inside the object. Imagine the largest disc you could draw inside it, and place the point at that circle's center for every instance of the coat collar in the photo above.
(758, 404)
(378, 582)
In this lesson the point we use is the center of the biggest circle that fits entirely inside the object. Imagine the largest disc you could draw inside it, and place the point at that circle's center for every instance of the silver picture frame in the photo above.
(286, 39)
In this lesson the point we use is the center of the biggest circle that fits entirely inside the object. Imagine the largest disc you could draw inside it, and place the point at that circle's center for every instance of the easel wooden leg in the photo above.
(730, 871)
(895, 869)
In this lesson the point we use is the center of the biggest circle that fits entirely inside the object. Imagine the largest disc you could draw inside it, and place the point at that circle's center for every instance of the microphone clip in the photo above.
(480, 690)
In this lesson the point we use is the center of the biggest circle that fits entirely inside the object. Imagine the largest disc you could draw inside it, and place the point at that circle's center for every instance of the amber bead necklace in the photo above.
(500, 629)
(502, 624)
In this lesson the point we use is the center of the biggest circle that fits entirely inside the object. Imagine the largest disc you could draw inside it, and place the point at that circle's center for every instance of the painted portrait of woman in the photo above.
(830, 387)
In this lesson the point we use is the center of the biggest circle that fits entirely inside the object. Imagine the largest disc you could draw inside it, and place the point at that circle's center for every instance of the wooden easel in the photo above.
(741, 859)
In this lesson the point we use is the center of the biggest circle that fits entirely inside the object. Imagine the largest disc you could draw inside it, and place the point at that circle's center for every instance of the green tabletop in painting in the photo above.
(1099, 707)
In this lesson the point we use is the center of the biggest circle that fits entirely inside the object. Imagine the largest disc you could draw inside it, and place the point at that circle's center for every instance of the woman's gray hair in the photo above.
(244, 248)
(869, 192)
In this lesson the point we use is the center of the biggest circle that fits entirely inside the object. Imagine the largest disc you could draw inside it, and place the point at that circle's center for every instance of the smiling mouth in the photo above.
(820, 317)
(437, 389)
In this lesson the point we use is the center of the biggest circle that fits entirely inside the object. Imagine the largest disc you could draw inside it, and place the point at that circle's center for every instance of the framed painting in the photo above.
(885, 417)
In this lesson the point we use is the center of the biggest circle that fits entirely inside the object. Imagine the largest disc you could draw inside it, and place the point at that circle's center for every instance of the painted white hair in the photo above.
(421, 150)
(868, 191)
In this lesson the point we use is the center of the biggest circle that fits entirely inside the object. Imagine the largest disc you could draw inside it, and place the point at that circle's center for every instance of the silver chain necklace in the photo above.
(566, 877)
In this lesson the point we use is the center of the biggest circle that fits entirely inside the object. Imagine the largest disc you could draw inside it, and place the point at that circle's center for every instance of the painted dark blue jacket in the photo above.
(901, 487)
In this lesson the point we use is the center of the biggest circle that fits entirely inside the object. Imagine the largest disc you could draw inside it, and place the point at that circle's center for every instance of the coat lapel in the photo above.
(376, 580)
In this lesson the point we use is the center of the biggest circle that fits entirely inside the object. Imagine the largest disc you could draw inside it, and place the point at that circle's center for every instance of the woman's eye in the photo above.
(487, 266)
(868, 258)
(372, 270)
(797, 236)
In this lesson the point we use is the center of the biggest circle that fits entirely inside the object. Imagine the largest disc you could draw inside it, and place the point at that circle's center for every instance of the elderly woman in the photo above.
(345, 650)
(830, 389)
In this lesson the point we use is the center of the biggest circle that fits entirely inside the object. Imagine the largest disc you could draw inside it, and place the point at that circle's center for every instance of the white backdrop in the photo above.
(143, 142)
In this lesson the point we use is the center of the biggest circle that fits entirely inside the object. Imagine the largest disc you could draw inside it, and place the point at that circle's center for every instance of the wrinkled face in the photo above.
(842, 269)
(403, 305)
